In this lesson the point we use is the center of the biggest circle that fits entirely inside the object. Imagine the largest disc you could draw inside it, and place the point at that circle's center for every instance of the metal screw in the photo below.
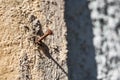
(48, 32)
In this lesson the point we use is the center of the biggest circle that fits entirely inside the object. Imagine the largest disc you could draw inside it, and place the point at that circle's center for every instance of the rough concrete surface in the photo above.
(106, 20)
(21, 21)
(85, 44)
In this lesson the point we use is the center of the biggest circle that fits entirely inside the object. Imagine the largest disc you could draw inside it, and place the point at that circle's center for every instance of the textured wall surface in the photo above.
(85, 44)
(20, 24)
(106, 19)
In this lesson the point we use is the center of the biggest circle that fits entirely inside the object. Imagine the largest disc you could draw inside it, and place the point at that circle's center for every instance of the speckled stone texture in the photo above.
(93, 29)
(21, 22)
(85, 44)
(105, 15)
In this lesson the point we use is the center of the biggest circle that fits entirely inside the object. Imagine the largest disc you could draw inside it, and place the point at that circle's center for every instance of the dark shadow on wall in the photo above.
(42, 46)
(81, 52)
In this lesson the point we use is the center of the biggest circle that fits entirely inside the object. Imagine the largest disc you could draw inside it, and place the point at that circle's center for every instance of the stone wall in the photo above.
(106, 19)
(85, 44)
(22, 21)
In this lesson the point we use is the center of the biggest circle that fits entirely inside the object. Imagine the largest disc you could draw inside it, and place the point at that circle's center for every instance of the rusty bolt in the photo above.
(48, 32)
